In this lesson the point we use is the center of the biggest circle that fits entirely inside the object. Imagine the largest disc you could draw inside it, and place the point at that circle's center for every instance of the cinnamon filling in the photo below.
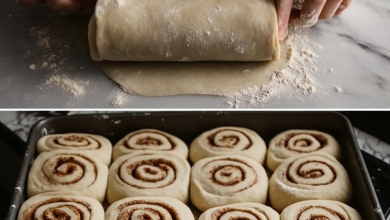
(71, 163)
(303, 142)
(149, 141)
(172, 211)
(230, 140)
(310, 174)
(220, 213)
(54, 212)
(320, 217)
(159, 167)
(74, 138)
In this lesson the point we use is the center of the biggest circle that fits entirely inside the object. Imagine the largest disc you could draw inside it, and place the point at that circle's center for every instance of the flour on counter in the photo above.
(297, 77)
(118, 98)
(337, 89)
(75, 88)
(32, 67)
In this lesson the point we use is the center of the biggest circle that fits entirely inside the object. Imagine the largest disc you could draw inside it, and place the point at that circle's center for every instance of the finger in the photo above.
(310, 12)
(330, 9)
(283, 8)
(344, 5)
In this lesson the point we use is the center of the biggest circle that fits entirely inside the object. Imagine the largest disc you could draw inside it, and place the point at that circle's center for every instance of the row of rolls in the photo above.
(150, 177)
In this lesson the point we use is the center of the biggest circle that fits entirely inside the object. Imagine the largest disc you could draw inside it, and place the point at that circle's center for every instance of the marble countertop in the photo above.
(355, 45)
(21, 123)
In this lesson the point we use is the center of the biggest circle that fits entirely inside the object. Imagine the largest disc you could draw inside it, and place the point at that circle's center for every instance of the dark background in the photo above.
(375, 123)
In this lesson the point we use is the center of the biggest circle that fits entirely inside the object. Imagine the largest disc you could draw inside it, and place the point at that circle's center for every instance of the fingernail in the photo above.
(341, 7)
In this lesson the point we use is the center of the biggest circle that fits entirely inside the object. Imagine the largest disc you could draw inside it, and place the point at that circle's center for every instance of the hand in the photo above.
(311, 11)
(63, 6)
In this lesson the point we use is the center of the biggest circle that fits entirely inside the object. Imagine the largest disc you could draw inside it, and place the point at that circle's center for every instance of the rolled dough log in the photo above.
(177, 30)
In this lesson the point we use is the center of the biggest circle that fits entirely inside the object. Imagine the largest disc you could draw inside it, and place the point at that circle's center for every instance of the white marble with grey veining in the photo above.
(356, 45)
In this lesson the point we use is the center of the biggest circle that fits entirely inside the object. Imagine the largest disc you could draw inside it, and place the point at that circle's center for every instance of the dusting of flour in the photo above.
(75, 88)
(296, 78)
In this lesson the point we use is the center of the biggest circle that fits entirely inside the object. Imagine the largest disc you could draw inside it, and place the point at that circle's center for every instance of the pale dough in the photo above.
(327, 209)
(247, 211)
(223, 180)
(61, 205)
(177, 30)
(151, 208)
(150, 139)
(68, 170)
(149, 173)
(316, 176)
(294, 142)
(228, 141)
(94, 145)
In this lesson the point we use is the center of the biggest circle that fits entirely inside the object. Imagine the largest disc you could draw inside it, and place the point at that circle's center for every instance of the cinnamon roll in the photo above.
(149, 173)
(300, 142)
(320, 209)
(95, 146)
(60, 170)
(150, 208)
(150, 139)
(228, 141)
(315, 176)
(247, 211)
(62, 205)
(223, 180)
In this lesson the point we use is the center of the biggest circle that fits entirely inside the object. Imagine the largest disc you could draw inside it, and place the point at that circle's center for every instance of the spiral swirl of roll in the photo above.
(294, 142)
(150, 139)
(227, 141)
(247, 211)
(149, 173)
(319, 209)
(223, 180)
(94, 145)
(305, 177)
(59, 206)
(151, 208)
(60, 170)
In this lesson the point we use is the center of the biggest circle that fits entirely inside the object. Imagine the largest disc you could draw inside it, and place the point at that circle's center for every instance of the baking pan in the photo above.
(188, 125)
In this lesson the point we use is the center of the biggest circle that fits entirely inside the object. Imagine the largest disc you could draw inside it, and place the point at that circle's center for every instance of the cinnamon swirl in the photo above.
(228, 141)
(58, 206)
(223, 180)
(148, 208)
(66, 170)
(247, 211)
(300, 142)
(320, 209)
(150, 139)
(315, 176)
(149, 173)
(95, 146)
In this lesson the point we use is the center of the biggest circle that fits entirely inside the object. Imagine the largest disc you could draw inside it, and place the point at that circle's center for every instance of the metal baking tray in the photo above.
(188, 125)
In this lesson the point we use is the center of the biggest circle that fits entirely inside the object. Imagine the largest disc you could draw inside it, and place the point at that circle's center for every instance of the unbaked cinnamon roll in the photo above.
(247, 211)
(148, 208)
(66, 170)
(228, 141)
(59, 206)
(149, 173)
(319, 209)
(300, 142)
(305, 177)
(94, 145)
(223, 180)
(150, 139)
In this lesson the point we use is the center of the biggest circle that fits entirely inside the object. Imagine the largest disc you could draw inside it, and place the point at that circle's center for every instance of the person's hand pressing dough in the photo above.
(223, 180)
(300, 142)
(228, 141)
(324, 209)
(307, 14)
(247, 210)
(149, 173)
(315, 176)
(61, 205)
